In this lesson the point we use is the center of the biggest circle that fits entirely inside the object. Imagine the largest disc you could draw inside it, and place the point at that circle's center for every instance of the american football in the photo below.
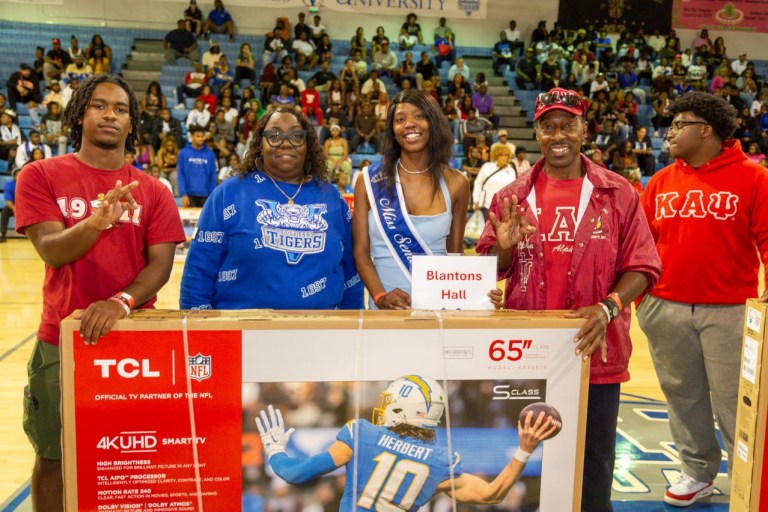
(548, 410)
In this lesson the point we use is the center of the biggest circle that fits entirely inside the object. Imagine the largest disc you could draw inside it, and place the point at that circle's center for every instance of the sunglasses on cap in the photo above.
(568, 101)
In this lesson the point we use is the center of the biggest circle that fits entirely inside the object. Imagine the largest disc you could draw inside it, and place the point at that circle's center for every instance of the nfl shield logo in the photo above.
(200, 367)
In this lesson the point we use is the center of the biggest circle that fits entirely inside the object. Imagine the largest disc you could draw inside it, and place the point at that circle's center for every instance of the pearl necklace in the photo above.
(410, 172)
(289, 198)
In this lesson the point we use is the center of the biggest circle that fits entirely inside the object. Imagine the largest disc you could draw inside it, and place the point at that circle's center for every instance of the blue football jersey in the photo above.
(393, 473)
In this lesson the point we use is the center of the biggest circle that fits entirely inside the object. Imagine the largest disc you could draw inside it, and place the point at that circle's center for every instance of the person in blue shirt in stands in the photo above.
(9, 209)
(277, 234)
(219, 21)
(196, 169)
(402, 436)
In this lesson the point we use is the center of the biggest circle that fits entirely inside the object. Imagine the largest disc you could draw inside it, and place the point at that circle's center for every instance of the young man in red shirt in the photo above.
(708, 213)
(107, 234)
(572, 235)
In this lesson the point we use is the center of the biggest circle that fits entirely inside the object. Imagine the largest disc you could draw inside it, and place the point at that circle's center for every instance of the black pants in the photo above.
(647, 164)
(600, 447)
(183, 91)
(6, 216)
(197, 201)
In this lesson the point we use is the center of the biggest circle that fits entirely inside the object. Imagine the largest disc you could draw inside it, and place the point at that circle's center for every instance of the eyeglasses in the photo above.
(275, 138)
(679, 125)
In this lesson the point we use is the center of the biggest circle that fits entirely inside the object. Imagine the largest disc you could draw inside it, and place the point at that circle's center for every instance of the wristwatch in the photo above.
(613, 308)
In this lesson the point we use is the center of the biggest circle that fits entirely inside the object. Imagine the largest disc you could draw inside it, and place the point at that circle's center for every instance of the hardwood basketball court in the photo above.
(22, 272)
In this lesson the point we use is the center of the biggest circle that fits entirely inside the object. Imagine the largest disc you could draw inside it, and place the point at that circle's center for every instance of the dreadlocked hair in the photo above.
(715, 110)
(422, 434)
(253, 160)
(75, 111)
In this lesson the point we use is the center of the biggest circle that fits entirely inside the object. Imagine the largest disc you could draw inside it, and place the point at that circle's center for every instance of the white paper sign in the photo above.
(754, 317)
(750, 359)
(452, 282)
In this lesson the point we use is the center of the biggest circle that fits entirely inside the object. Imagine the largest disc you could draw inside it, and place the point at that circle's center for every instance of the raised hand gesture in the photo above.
(512, 227)
(272, 430)
(115, 203)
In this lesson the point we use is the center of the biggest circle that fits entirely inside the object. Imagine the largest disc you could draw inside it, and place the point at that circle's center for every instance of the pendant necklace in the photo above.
(410, 172)
(289, 198)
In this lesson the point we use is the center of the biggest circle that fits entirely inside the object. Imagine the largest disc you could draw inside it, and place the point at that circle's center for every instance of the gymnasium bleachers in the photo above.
(20, 41)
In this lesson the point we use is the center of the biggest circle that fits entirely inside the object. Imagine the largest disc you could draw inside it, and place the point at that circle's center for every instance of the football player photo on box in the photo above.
(402, 456)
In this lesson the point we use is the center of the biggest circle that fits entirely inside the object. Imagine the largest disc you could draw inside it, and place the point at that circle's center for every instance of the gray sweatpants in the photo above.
(696, 349)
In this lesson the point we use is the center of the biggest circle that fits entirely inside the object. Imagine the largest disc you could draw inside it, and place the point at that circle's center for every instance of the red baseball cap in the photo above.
(56, 40)
(559, 99)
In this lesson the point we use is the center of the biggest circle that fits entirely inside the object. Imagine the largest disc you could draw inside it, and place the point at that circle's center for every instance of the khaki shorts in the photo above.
(42, 401)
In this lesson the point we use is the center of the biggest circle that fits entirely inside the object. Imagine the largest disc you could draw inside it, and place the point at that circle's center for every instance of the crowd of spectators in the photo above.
(43, 89)
(618, 79)
(623, 82)
(349, 107)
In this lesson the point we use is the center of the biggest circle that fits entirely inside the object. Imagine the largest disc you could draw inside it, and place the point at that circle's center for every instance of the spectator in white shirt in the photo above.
(599, 84)
(738, 66)
(493, 176)
(513, 36)
(198, 116)
(385, 60)
(372, 79)
(10, 136)
(317, 29)
(503, 141)
(520, 162)
(24, 151)
(304, 50)
(459, 68)
(68, 91)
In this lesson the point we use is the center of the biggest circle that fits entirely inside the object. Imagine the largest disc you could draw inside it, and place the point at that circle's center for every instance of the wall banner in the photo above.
(616, 16)
(450, 9)
(718, 15)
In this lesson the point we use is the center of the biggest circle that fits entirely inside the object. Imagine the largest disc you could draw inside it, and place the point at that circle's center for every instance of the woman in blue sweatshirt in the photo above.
(278, 235)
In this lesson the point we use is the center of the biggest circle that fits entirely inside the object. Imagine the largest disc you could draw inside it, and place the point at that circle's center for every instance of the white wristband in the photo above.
(123, 304)
(522, 455)
(607, 311)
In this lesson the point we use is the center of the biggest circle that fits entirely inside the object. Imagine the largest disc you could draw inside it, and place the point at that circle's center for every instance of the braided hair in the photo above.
(75, 111)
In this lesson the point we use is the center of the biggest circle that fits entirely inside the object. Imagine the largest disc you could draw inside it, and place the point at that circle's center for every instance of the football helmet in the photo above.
(412, 400)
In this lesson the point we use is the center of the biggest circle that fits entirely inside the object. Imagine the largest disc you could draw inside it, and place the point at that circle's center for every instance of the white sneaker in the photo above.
(687, 490)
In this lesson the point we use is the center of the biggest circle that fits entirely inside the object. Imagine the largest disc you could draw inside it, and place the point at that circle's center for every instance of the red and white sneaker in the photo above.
(686, 491)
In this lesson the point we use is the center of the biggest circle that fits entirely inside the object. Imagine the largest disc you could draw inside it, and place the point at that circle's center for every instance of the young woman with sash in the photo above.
(411, 203)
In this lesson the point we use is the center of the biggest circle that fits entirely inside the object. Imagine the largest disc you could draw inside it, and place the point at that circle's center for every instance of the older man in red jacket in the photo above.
(571, 235)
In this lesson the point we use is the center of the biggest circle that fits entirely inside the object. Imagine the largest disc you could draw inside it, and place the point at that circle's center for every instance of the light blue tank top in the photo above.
(433, 230)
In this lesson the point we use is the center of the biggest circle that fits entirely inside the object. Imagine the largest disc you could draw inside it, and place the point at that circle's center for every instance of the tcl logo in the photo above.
(507, 392)
(126, 368)
(511, 350)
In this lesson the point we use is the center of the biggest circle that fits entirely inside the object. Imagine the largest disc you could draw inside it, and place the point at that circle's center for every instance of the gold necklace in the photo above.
(289, 198)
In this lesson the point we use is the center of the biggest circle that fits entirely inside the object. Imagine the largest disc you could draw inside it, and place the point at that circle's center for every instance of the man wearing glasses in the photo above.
(571, 235)
(707, 212)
